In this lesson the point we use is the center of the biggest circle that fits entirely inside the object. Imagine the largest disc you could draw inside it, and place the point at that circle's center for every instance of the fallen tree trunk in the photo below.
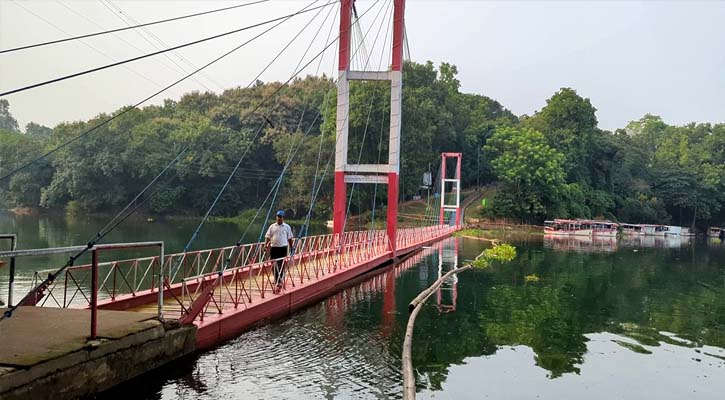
(414, 307)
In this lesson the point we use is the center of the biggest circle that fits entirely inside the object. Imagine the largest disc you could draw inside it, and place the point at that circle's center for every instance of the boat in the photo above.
(687, 232)
(671, 230)
(715, 231)
(631, 229)
(653, 230)
(604, 228)
(568, 227)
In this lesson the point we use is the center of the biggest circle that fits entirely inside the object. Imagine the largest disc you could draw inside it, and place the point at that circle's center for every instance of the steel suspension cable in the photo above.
(141, 57)
(315, 192)
(106, 121)
(94, 48)
(382, 128)
(206, 216)
(244, 154)
(277, 182)
(292, 154)
(30, 46)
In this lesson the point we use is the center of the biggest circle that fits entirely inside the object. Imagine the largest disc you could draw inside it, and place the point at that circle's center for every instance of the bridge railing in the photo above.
(45, 283)
(241, 285)
(246, 272)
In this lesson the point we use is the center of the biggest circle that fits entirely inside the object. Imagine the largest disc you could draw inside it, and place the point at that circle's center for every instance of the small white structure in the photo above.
(673, 230)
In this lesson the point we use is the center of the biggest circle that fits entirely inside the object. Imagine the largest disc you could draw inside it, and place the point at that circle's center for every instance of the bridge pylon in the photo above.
(452, 206)
(368, 173)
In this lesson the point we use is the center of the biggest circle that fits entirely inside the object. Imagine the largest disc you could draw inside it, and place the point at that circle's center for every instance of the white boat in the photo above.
(604, 228)
(672, 230)
(714, 231)
(653, 230)
(687, 232)
(567, 227)
(631, 229)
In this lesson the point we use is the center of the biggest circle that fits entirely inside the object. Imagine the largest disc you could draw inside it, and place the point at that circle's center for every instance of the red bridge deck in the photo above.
(226, 290)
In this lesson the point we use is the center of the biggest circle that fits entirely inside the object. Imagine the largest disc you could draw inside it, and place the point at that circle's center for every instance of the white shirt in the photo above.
(279, 234)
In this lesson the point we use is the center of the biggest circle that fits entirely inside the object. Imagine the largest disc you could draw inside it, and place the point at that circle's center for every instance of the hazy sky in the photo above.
(629, 58)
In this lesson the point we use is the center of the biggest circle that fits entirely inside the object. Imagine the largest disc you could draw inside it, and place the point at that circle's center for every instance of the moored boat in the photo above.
(672, 230)
(604, 228)
(654, 230)
(631, 229)
(714, 231)
(568, 227)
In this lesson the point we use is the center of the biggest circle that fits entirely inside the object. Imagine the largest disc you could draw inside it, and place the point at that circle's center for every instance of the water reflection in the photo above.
(670, 242)
(593, 244)
(596, 325)
(447, 293)
(581, 243)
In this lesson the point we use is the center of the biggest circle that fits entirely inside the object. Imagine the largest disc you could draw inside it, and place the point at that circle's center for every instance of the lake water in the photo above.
(627, 319)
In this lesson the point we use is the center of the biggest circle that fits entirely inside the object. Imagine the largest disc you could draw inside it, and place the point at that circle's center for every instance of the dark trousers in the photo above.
(278, 267)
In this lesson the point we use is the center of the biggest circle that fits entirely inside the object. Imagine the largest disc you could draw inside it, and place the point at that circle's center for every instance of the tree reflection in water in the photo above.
(643, 293)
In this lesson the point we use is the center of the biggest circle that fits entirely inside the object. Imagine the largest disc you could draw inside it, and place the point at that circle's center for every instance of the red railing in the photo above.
(224, 278)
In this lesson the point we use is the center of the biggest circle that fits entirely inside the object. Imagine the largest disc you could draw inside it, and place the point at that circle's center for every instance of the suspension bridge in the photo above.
(196, 299)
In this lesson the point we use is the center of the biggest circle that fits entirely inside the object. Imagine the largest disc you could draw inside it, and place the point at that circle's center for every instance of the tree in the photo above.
(7, 121)
(569, 123)
(531, 170)
(38, 130)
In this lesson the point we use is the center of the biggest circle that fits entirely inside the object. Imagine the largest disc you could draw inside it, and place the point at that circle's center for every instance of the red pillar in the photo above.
(398, 32)
(392, 223)
(396, 66)
(443, 187)
(340, 202)
(339, 206)
(344, 45)
(458, 176)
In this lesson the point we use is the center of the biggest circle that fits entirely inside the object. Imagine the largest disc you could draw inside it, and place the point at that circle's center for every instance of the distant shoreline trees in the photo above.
(555, 163)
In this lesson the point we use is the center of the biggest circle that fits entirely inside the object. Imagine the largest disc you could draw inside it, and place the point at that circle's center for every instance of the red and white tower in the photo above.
(368, 173)
(453, 206)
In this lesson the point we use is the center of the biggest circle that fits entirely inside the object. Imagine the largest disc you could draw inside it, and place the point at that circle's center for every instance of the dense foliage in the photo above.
(555, 163)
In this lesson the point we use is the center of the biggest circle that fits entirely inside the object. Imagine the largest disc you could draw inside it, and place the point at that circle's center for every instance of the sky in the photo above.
(629, 58)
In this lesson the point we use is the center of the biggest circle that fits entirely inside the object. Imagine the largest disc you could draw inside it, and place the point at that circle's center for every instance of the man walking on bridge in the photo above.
(278, 240)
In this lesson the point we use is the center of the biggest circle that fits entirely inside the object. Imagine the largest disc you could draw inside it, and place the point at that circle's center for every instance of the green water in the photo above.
(627, 319)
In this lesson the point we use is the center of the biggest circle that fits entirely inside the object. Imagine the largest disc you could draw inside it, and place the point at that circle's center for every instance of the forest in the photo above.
(556, 163)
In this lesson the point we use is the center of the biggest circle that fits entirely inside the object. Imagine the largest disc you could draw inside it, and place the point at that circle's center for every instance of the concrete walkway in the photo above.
(37, 334)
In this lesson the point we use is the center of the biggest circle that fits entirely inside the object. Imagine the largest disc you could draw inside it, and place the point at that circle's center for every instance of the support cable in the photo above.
(259, 130)
(315, 191)
(96, 49)
(382, 130)
(111, 7)
(115, 64)
(293, 151)
(30, 46)
(129, 43)
(278, 181)
(106, 121)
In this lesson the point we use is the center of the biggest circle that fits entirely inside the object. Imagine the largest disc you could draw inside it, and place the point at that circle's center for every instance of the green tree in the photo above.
(531, 170)
(7, 121)
(38, 130)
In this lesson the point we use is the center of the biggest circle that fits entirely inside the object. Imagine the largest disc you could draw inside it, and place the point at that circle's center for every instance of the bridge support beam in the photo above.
(389, 173)
(454, 206)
